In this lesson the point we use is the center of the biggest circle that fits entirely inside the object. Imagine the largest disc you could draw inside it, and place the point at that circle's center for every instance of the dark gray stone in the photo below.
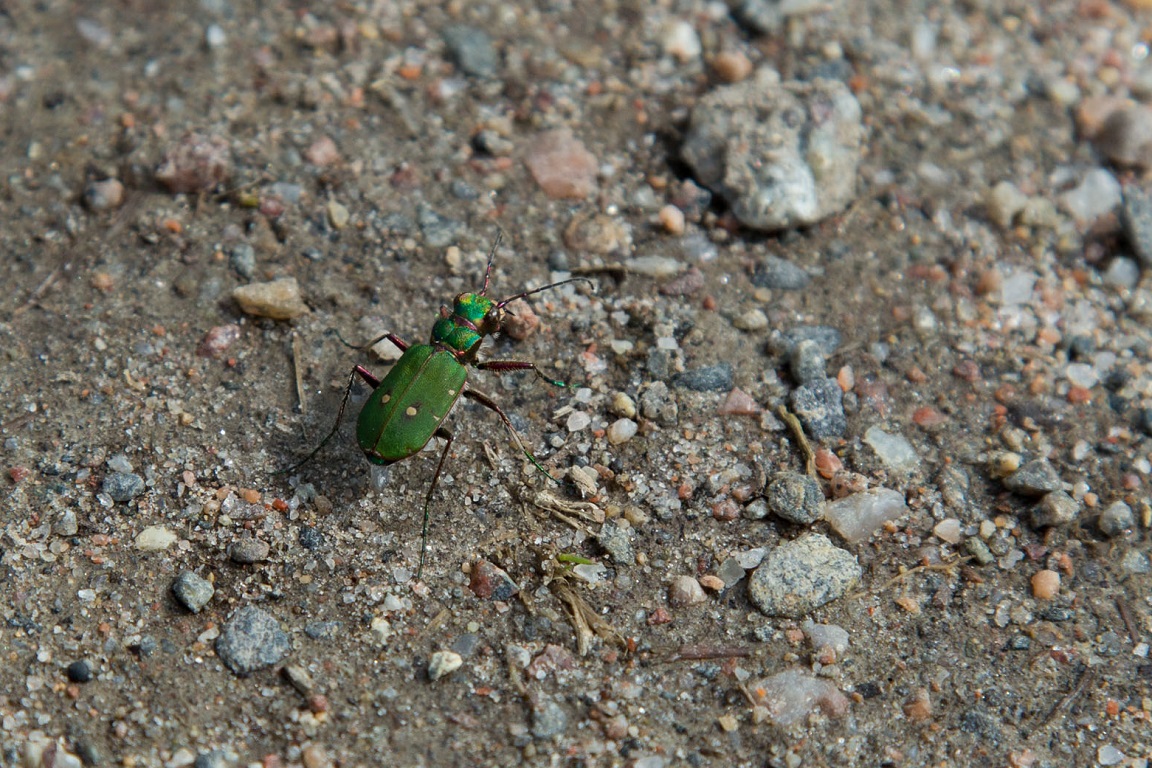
(820, 408)
(795, 497)
(251, 640)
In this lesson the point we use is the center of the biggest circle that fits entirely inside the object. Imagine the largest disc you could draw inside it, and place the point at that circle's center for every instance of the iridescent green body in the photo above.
(405, 410)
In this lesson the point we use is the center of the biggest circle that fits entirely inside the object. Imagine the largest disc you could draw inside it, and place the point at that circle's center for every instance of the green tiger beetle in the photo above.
(408, 406)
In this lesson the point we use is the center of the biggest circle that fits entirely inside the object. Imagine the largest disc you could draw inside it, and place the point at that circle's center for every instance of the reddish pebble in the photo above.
(846, 378)
(488, 582)
(739, 403)
(18, 474)
(927, 416)
(102, 281)
(659, 616)
(196, 164)
(217, 341)
(919, 707)
(561, 165)
(1079, 395)
(521, 320)
(967, 370)
(726, 510)
(318, 703)
(323, 152)
(827, 463)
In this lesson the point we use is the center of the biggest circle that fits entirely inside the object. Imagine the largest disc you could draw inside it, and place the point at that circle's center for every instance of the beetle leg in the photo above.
(365, 374)
(358, 370)
(445, 435)
(399, 342)
(503, 366)
(490, 404)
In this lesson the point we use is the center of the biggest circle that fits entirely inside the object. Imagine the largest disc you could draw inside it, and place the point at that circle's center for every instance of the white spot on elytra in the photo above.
(411, 411)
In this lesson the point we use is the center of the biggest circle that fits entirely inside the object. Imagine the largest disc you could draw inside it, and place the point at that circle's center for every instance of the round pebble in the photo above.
(251, 640)
(79, 672)
(685, 591)
(621, 431)
(1116, 519)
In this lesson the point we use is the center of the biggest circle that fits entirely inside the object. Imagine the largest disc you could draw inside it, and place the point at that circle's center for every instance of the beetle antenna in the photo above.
(504, 302)
(491, 258)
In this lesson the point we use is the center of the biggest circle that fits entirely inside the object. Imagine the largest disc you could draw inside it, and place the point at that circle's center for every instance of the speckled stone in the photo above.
(251, 640)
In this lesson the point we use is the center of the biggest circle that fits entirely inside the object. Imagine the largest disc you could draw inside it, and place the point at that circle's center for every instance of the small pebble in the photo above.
(104, 195)
(739, 403)
(710, 378)
(443, 663)
(681, 41)
(621, 431)
(338, 215)
(218, 340)
(561, 165)
(123, 486)
(806, 362)
(1005, 201)
(751, 320)
(1035, 478)
(623, 405)
(79, 672)
(242, 259)
(250, 640)
(1055, 509)
(780, 274)
(1116, 520)
(795, 497)
(155, 538)
(322, 152)
(1098, 193)
(790, 696)
(1126, 137)
(949, 530)
(1045, 585)
(615, 540)
(279, 299)
(248, 550)
(685, 591)
(1137, 220)
(800, 576)
(192, 591)
(490, 582)
(731, 66)
(820, 408)
(856, 517)
(549, 719)
(471, 49)
(894, 450)
(672, 219)
(197, 163)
